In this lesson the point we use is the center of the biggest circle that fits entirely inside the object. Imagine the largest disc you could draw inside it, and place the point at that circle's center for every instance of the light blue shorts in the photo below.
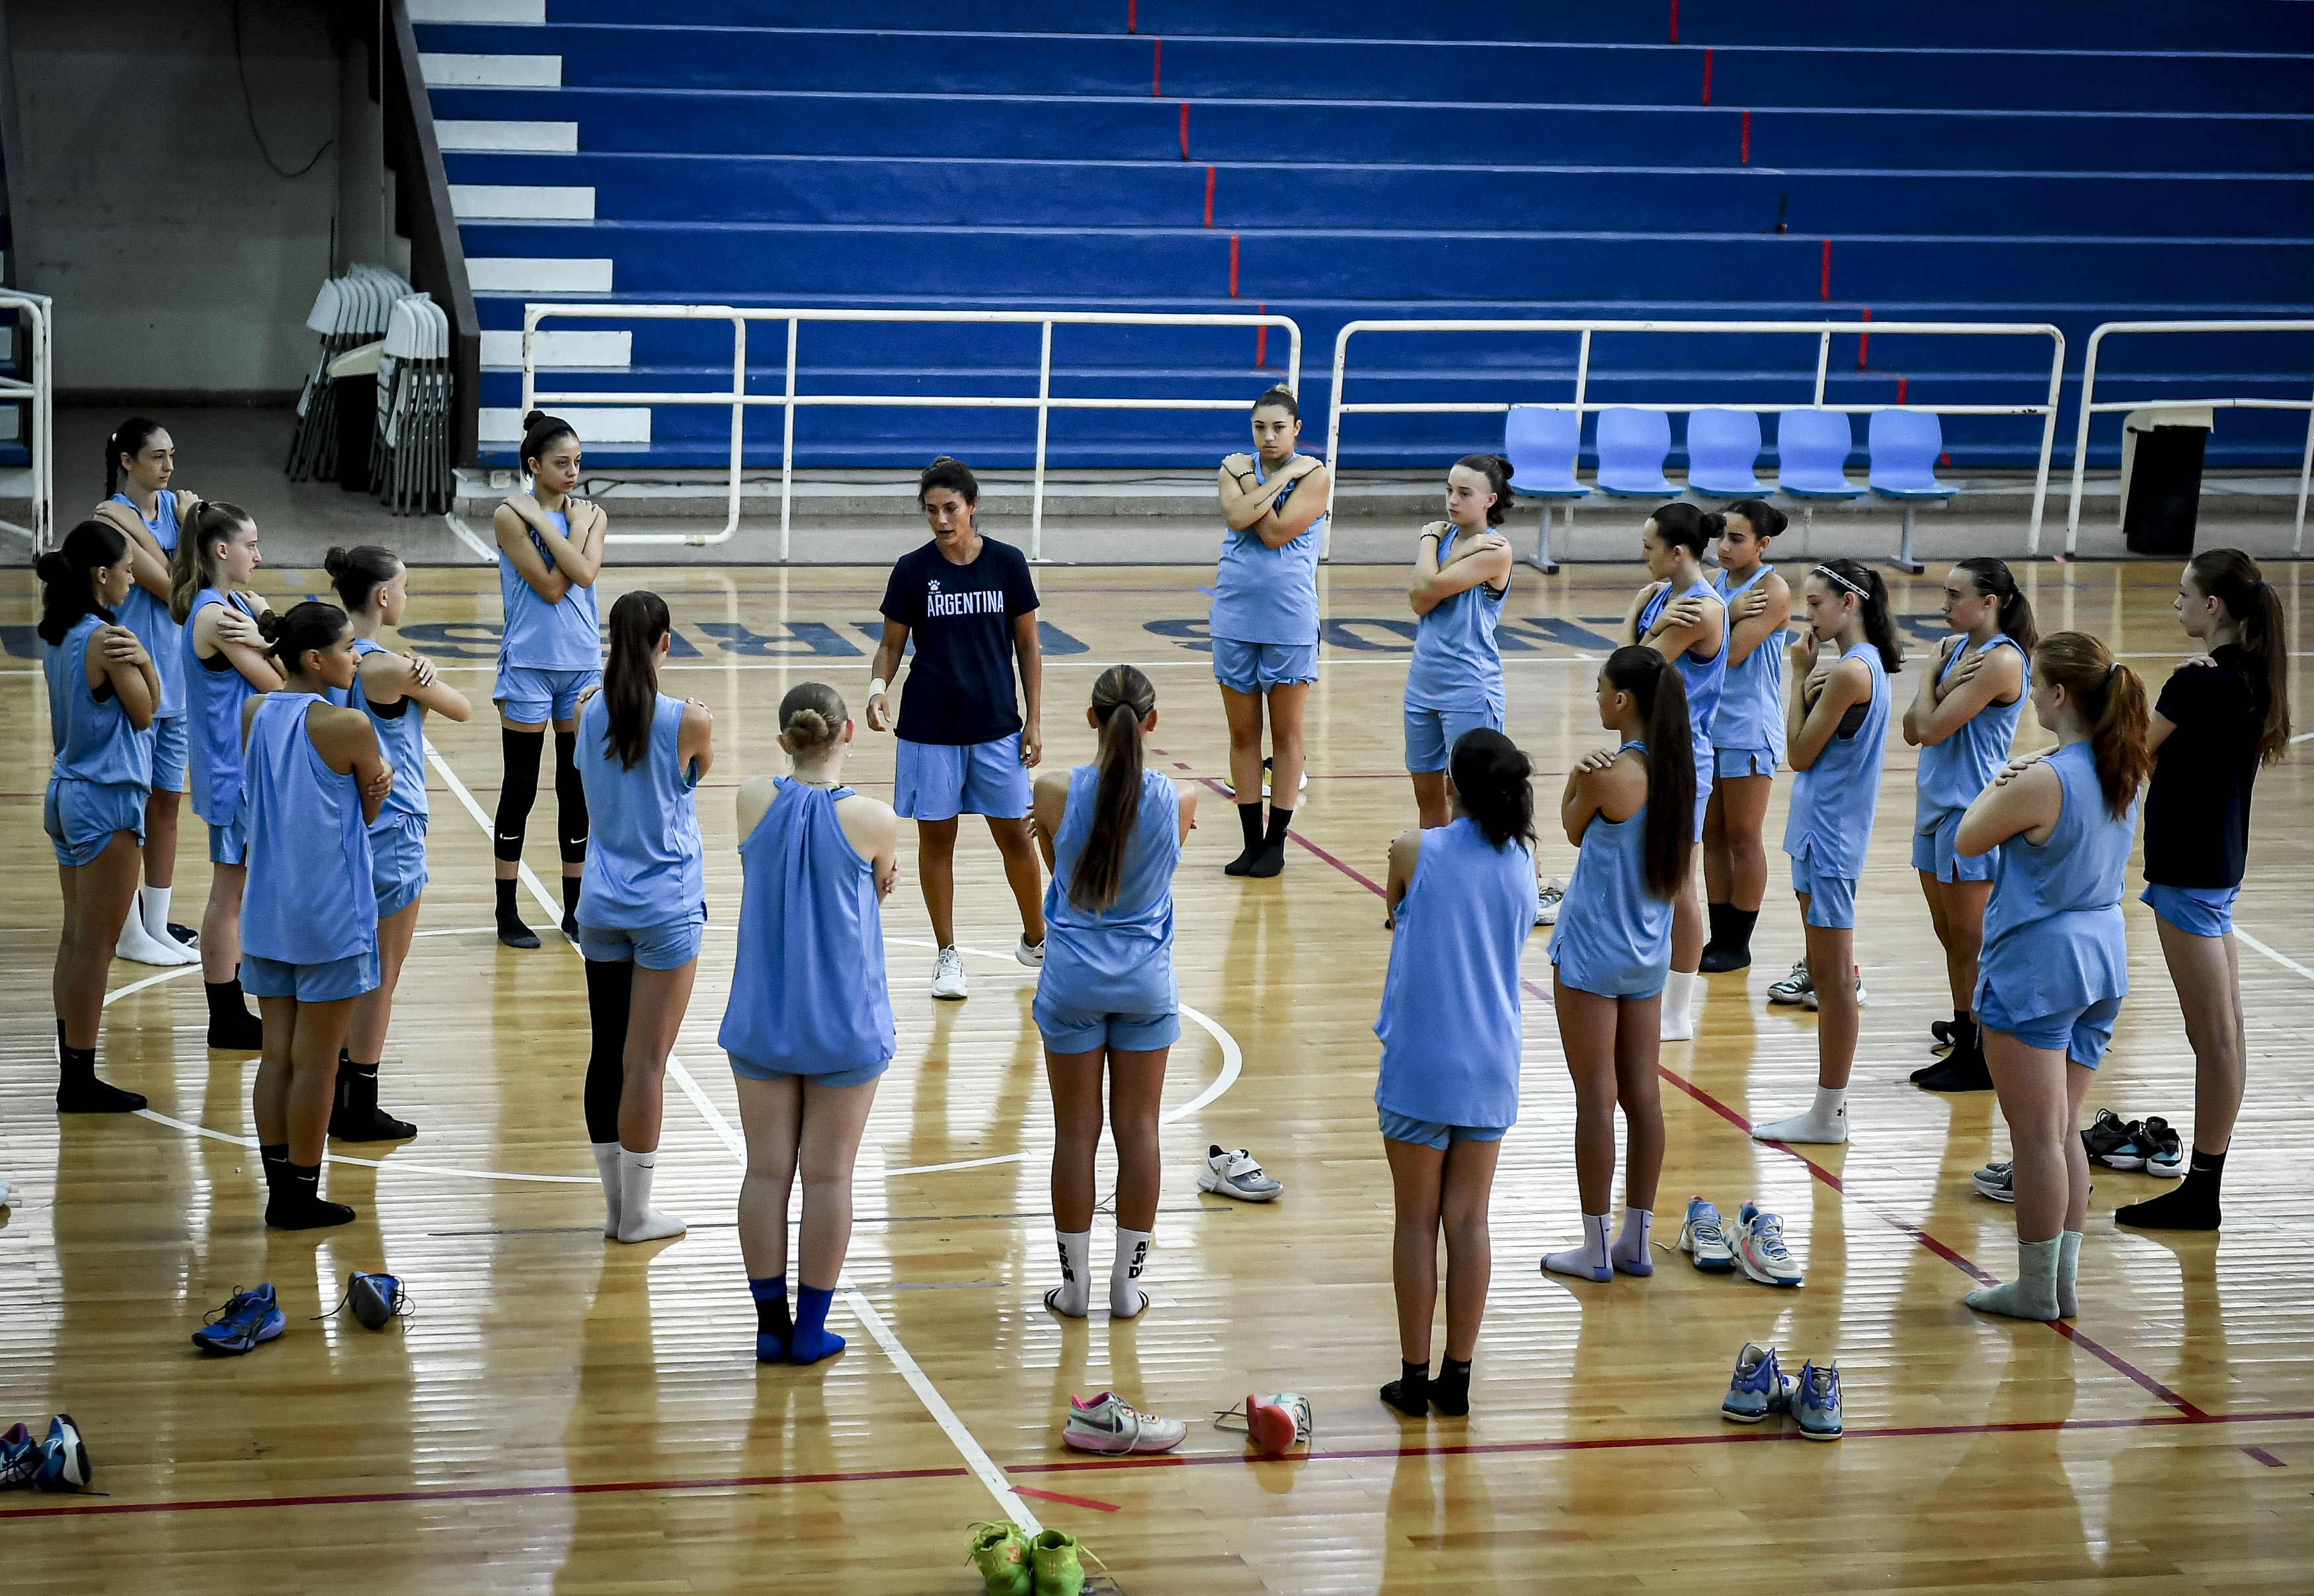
(229, 844)
(347, 977)
(1704, 767)
(941, 780)
(1067, 1030)
(1933, 849)
(80, 816)
(666, 947)
(397, 864)
(833, 1078)
(2082, 1033)
(2197, 910)
(1729, 763)
(527, 695)
(1430, 1132)
(169, 752)
(1257, 667)
(1430, 733)
(1831, 899)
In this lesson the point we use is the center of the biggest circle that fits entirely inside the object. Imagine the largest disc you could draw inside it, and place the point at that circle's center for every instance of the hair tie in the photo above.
(2110, 669)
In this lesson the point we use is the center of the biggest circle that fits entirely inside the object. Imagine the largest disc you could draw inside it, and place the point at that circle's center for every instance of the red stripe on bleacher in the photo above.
(1706, 75)
(1130, 3)
(1743, 149)
(1184, 156)
(1863, 340)
(1209, 171)
(1156, 63)
(1232, 265)
(1675, 20)
(1823, 280)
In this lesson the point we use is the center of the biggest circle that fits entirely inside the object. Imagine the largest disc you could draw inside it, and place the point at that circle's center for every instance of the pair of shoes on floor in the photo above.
(948, 968)
(2150, 1145)
(1760, 1389)
(58, 1463)
(1235, 1173)
(1797, 988)
(1010, 1564)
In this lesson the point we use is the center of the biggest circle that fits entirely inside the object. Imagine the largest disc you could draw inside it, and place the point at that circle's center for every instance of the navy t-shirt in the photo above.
(2197, 804)
(960, 688)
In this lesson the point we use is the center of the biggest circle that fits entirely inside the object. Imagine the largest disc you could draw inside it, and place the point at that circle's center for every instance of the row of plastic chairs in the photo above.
(1723, 454)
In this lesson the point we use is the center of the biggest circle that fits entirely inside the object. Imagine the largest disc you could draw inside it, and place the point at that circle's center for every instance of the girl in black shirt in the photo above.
(2222, 714)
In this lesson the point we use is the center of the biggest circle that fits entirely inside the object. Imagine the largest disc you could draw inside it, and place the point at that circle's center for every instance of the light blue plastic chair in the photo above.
(1723, 447)
(1541, 441)
(1633, 444)
(1905, 445)
(1812, 450)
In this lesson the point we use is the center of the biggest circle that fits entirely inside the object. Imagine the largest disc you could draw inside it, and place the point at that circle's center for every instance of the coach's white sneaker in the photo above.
(1031, 954)
(948, 973)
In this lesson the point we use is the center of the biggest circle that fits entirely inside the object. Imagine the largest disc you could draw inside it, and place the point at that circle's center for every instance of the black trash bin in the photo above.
(355, 401)
(2161, 481)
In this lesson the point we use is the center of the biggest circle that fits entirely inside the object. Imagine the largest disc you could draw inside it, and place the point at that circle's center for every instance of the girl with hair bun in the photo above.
(223, 625)
(1462, 575)
(1680, 615)
(1106, 1005)
(2222, 714)
(103, 687)
(808, 1023)
(1629, 813)
(395, 691)
(1747, 733)
(1461, 899)
(2055, 963)
(551, 653)
(1962, 720)
(1835, 726)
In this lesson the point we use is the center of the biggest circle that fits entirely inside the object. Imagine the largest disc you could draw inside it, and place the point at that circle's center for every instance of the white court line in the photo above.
(465, 535)
(2303, 736)
(974, 1457)
(2286, 963)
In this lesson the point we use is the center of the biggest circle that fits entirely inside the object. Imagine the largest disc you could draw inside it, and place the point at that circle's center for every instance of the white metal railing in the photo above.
(2090, 407)
(40, 392)
(1044, 403)
(1824, 330)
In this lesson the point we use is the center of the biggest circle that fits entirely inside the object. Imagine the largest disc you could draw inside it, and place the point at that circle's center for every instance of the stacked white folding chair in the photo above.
(411, 464)
(348, 311)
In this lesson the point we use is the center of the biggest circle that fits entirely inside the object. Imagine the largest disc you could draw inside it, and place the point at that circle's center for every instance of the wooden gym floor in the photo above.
(567, 1413)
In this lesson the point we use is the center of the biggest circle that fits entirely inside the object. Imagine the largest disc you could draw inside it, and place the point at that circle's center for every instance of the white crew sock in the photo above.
(637, 1221)
(135, 943)
(1125, 1296)
(2033, 1295)
(1678, 1006)
(155, 901)
(1588, 1261)
(1826, 1124)
(2068, 1262)
(1074, 1295)
(1629, 1253)
(606, 1165)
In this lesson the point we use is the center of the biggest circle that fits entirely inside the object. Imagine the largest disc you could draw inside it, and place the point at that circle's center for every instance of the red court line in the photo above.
(1065, 1501)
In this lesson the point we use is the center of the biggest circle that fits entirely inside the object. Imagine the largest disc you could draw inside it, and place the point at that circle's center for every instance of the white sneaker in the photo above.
(1236, 1174)
(1547, 899)
(1760, 1247)
(1105, 1425)
(1031, 954)
(948, 973)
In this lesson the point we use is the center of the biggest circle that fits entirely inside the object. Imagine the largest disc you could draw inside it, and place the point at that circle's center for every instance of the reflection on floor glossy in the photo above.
(569, 1414)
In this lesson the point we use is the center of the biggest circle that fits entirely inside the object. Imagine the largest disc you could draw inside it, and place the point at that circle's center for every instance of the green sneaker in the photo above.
(1002, 1555)
(1055, 1556)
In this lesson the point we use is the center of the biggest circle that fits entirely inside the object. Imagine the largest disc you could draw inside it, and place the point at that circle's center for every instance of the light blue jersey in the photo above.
(2052, 931)
(563, 636)
(643, 864)
(1835, 800)
(148, 617)
(1613, 936)
(92, 737)
(1263, 594)
(1457, 664)
(214, 693)
(1703, 677)
(309, 899)
(1751, 714)
(1954, 770)
(401, 730)
(1117, 960)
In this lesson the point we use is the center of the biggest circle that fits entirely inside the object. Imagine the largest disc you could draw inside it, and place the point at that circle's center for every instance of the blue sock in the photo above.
(811, 1341)
(772, 1330)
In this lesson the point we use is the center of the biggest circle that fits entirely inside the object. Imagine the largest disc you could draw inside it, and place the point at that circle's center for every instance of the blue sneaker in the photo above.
(20, 1458)
(64, 1457)
(1703, 1236)
(1816, 1404)
(1759, 1388)
(247, 1319)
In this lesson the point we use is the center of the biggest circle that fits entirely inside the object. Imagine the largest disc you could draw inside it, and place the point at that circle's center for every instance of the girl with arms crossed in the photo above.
(1462, 575)
(1747, 733)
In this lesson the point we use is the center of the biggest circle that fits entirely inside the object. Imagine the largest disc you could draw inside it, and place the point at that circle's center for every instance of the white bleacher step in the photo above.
(596, 424)
(512, 138)
(516, 14)
(515, 274)
(599, 351)
(523, 202)
(490, 71)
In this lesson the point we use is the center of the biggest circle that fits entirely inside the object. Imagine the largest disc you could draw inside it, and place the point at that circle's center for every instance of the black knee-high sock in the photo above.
(570, 799)
(1248, 820)
(1272, 858)
(517, 789)
(609, 989)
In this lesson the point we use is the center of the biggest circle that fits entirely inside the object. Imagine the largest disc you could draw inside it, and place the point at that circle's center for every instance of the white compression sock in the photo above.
(1125, 1296)
(637, 1221)
(1678, 1006)
(1824, 1124)
(137, 944)
(155, 901)
(1588, 1261)
(1629, 1253)
(606, 1165)
(1074, 1295)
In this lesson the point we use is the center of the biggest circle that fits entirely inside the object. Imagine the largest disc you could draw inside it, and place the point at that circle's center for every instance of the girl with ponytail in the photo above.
(2055, 963)
(2221, 714)
(102, 688)
(1629, 812)
(808, 1024)
(1462, 575)
(1835, 725)
(641, 905)
(1962, 720)
(1462, 898)
(1107, 1001)
(1747, 733)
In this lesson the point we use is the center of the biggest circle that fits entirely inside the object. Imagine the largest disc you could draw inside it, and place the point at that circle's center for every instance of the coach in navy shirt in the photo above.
(964, 746)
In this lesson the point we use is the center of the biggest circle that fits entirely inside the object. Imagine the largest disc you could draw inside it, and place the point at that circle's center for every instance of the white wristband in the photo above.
(877, 686)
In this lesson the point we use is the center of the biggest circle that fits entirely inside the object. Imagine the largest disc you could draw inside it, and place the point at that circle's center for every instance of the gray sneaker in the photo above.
(1236, 1174)
(1794, 988)
(1996, 1181)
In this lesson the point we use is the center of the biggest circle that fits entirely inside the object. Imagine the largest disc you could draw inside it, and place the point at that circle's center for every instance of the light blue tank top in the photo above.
(2052, 931)
(1703, 678)
(1118, 960)
(1450, 1003)
(1835, 800)
(214, 693)
(1263, 594)
(1954, 772)
(1752, 697)
(1456, 662)
(644, 866)
(402, 738)
(1613, 936)
(148, 617)
(308, 900)
(563, 636)
(94, 740)
(808, 989)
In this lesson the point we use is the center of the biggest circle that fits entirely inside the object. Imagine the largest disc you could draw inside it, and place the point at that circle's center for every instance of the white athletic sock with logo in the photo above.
(1824, 1125)
(1629, 1253)
(137, 944)
(1074, 1295)
(637, 1221)
(1125, 1296)
(606, 1166)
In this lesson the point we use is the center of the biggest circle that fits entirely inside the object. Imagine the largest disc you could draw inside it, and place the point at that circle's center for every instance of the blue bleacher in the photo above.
(1950, 162)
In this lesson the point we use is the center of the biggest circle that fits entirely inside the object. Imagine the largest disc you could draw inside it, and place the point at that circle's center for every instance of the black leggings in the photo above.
(610, 989)
(518, 790)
